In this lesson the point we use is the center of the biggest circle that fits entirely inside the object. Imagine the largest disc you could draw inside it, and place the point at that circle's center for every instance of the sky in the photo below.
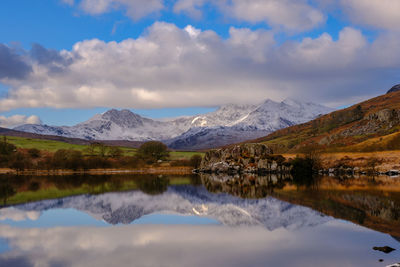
(62, 61)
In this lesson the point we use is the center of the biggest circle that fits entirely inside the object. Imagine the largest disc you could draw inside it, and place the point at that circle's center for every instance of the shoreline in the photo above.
(150, 170)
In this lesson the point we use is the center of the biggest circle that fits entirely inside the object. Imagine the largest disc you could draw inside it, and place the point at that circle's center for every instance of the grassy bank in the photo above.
(53, 146)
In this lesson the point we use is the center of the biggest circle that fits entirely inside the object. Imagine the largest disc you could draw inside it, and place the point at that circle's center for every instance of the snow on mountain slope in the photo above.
(127, 207)
(230, 123)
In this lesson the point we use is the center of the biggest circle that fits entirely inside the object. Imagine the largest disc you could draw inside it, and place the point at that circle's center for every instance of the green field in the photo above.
(52, 146)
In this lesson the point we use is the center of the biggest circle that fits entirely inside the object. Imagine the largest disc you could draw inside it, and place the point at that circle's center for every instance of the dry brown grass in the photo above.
(390, 159)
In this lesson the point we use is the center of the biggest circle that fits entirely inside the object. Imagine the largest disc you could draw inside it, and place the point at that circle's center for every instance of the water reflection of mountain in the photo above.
(240, 200)
(369, 205)
(187, 200)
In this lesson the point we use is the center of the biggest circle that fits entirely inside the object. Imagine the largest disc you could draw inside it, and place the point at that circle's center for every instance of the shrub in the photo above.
(195, 161)
(34, 153)
(6, 148)
(115, 152)
(153, 151)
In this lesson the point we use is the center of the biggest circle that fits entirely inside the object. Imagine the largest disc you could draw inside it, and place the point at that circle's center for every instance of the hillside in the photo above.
(372, 125)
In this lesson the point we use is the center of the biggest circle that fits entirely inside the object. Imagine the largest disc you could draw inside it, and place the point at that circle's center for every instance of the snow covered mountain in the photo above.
(115, 208)
(229, 124)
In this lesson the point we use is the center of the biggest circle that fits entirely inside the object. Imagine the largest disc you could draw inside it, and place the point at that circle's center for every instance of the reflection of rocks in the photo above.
(245, 186)
(381, 207)
(245, 158)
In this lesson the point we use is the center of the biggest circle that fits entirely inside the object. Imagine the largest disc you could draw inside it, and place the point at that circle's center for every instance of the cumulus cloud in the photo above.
(190, 7)
(173, 67)
(383, 14)
(292, 15)
(12, 64)
(136, 9)
(16, 120)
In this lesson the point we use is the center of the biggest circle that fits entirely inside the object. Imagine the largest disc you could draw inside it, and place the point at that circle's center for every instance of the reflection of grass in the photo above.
(53, 192)
(179, 181)
(50, 193)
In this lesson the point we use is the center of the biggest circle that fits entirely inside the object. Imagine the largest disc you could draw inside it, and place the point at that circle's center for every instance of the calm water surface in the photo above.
(198, 221)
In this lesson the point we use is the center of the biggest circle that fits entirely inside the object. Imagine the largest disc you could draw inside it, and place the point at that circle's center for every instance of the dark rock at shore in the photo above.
(385, 249)
(244, 158)
(394, 89)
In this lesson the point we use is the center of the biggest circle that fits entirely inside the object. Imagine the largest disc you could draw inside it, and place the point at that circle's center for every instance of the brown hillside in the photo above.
(368, 126)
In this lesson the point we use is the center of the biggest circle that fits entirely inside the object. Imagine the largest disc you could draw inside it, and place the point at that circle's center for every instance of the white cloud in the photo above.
(292, 15)
(16, 120)
(173, 67)
(190, 7)
(136, 9)
(382, 14)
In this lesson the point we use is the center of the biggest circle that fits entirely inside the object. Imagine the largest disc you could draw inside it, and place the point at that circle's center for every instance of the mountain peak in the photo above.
(291, 102)
(123, 118)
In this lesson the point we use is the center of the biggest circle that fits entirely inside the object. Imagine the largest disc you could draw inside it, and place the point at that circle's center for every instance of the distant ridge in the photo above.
(75, 141)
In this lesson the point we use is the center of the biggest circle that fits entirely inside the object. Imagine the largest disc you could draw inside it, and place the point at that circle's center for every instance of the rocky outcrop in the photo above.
(244, 158)
(374, 123)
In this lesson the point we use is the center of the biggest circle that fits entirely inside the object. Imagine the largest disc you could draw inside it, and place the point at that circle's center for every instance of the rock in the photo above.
(393, 173)
(262, 164)
(274, 166)
(394, 89)
(385, 249)
(220, 167)
(250, 158)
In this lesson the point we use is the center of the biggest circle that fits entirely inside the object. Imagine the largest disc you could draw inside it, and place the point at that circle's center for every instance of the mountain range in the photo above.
(228, 124)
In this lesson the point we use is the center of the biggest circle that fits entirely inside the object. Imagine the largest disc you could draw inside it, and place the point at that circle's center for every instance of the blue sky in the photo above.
(59, 62)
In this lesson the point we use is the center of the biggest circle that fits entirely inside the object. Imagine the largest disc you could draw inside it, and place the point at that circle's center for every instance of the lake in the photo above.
(204, 220)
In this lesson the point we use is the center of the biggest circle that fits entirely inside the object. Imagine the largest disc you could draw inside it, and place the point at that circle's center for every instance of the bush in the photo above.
(115, 152)
(195, 161)
(20, 162)
(153, 151)
(34, 153)
(302, 168)
(6, 148)
(59, 159)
